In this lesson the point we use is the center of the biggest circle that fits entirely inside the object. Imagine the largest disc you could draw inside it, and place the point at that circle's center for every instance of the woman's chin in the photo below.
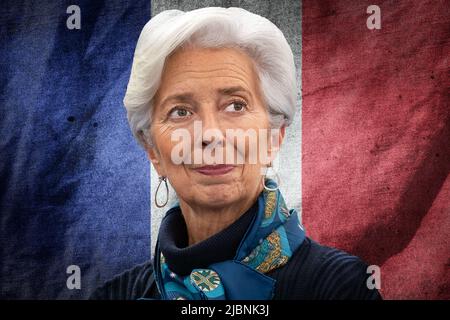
(219, 194)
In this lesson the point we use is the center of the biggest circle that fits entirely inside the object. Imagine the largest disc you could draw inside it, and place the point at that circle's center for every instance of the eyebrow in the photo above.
(189, 97)
(181, 97)
(231, 90)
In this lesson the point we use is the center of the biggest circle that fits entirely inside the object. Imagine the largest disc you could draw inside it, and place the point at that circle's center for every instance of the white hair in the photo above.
(211, 27)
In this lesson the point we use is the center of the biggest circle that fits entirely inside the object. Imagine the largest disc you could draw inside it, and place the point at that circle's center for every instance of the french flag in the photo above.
(366, 160)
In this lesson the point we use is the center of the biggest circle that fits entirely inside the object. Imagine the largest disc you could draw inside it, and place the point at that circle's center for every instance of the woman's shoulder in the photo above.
(132, 284)
(320, 272)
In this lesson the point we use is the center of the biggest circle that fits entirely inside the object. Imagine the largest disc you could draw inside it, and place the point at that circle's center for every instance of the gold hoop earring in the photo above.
(161, 179)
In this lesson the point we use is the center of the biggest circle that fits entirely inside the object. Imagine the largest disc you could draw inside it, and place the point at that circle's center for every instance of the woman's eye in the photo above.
(178, 113)
(236, 106)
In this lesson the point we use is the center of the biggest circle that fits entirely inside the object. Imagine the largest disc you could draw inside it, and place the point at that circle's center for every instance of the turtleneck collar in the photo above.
(182, 259)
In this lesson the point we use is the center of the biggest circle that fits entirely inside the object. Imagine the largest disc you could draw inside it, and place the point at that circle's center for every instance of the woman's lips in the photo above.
(213, 170)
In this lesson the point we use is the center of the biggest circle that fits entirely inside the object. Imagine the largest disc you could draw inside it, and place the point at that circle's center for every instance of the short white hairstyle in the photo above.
(211, 27)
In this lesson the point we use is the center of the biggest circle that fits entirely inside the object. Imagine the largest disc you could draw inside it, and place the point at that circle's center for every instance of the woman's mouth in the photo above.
(213, 170)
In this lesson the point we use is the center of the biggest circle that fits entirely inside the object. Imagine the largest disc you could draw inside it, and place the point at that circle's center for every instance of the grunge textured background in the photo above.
(376, 138)
(370, 142)
(73, 183)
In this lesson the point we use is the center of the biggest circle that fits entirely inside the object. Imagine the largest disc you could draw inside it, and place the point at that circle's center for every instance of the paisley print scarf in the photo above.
(274, 234)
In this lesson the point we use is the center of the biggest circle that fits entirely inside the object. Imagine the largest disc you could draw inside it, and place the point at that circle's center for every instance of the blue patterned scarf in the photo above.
(274, 234)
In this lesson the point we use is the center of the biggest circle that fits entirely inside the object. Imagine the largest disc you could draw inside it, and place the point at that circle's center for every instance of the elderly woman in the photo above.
(226, 72)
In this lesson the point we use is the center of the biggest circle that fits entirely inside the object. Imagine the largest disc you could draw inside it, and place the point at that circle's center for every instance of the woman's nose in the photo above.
(211, 129)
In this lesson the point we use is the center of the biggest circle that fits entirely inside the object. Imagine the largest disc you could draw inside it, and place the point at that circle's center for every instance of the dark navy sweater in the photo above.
(313, 272)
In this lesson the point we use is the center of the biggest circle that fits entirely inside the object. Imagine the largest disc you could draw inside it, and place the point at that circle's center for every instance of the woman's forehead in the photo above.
(217, 69)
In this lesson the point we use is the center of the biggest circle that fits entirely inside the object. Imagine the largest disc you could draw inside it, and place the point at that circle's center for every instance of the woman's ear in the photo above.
(281, 136)
(155, 158)
(276, 139)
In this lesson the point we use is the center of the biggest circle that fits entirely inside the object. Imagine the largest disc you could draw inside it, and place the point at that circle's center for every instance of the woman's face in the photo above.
(203, 93)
